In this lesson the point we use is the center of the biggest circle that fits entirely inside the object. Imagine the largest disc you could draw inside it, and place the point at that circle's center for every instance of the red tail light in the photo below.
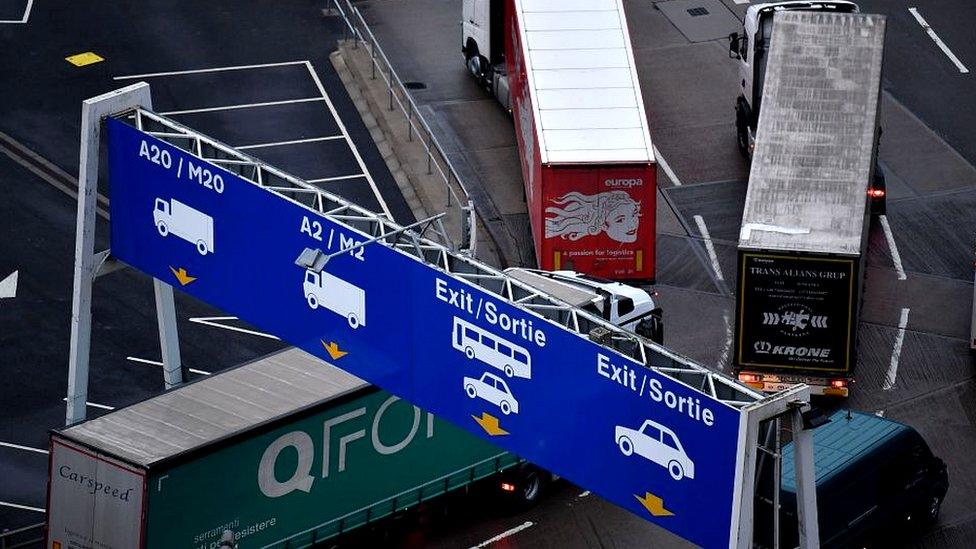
(508, 487)
(876, 193)
(838, 383)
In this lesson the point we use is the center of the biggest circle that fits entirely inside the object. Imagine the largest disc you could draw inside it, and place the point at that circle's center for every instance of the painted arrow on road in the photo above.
(490, 424)
(333, 349)
(8, 287)
(182, 276)
(654, 505)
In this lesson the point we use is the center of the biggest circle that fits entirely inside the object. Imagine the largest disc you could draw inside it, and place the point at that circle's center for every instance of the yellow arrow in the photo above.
(182, 276)
(333, 349)
(489, 423)
(654, 505)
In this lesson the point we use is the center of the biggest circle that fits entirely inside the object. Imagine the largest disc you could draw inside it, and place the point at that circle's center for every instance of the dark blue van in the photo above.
(875, 477)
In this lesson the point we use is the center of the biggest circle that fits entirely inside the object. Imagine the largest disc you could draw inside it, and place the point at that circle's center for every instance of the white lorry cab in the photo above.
(628, 307)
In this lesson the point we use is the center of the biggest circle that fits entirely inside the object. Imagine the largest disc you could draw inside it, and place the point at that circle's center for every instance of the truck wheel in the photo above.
(470, 391)
(531, 486)
(509, 371)
(202, 247)
(742, 128)
(469, 352)
(162, 228)
(506, 407)
(353, 321)
(677, 473)
(626, 446)
(313, 302)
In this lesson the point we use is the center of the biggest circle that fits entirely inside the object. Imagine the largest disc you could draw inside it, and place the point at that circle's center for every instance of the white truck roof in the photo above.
(816, 138)
(221, 405)
(585, 94)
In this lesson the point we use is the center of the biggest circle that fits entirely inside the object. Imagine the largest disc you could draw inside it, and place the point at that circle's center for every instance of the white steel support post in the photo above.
(92, 112)
(806, 483)
(755, 414)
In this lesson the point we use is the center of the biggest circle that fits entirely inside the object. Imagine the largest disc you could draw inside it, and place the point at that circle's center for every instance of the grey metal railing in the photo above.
(355, 28)
(28, 536)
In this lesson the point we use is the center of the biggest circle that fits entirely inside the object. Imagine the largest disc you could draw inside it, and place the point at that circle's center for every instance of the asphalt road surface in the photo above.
(248, 77)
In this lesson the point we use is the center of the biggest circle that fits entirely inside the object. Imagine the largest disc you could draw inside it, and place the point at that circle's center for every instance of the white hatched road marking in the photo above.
(667, 169)
(352, 146)
(24, 18)
(292, 142)
(709, 247)
(242, 106)
(22, 447)
(938, 41)
(24, 507)
(212, 69)
(889, 382)
(895, 256)
(94, 404)
(160, 364)
(505, 534)
(210, 321)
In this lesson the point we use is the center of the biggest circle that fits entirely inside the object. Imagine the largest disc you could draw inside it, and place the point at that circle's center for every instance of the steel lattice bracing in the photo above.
(429, 243)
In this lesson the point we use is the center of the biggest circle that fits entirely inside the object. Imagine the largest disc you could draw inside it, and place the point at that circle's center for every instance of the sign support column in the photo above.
(93, 111)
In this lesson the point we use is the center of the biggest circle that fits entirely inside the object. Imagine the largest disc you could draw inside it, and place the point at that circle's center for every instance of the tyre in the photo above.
(742, 129)
(470, 391)
(202, 247)
(313, 302)
(626, 446)
(677, 473)
(469, 352)
(162, 228)
(506, 407)
(509, 371)
(353, 321)
(531, 487)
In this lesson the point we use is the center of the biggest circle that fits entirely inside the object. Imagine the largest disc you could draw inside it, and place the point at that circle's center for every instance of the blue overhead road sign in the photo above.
(642, 440)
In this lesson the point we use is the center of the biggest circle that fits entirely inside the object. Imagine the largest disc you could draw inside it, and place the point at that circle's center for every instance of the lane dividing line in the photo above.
(243, 106)
(212, 69)
(209, 321)
(94, 404)
(352, 146)
(896, 352)
(160, 364)
(24, 507)
(723, 359)
(895, 256)
(20, 447)
(938, 41)
(583, 494)
(667, 169)
(292, 142)
(339, 178)
(24, 18)
(709, 247)
(505, 534)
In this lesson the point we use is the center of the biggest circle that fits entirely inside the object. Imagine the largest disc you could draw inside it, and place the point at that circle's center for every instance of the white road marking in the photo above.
(20, 447)
(209, 321)
(724, 357)
(24, 507)
(212, 69)
(709, 247)
(242, 106)
(741, 1)
(339, 178)
(505, 534)
(94, 405)
(895, 256)
(896, 351)
(938, 41)
(8, 287)
(667, 169)
(24, 18)
(292, 142)
(880, 413)
(352, 146)
(155, 363)
(584, 494)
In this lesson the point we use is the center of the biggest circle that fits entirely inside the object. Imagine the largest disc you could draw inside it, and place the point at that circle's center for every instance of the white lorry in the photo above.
(337, 295)
(626, 306)
(176, 218)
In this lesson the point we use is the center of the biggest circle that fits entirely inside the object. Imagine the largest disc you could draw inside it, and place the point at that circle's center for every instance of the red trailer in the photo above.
(587, 160)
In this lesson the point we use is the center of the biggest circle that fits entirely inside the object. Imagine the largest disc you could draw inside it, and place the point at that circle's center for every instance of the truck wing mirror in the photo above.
(734, 46)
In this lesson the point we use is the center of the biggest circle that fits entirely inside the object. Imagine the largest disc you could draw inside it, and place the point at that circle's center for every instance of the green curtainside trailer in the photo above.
(283, 451)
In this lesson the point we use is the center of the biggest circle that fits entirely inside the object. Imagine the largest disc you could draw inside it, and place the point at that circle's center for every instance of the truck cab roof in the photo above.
(577, 289)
